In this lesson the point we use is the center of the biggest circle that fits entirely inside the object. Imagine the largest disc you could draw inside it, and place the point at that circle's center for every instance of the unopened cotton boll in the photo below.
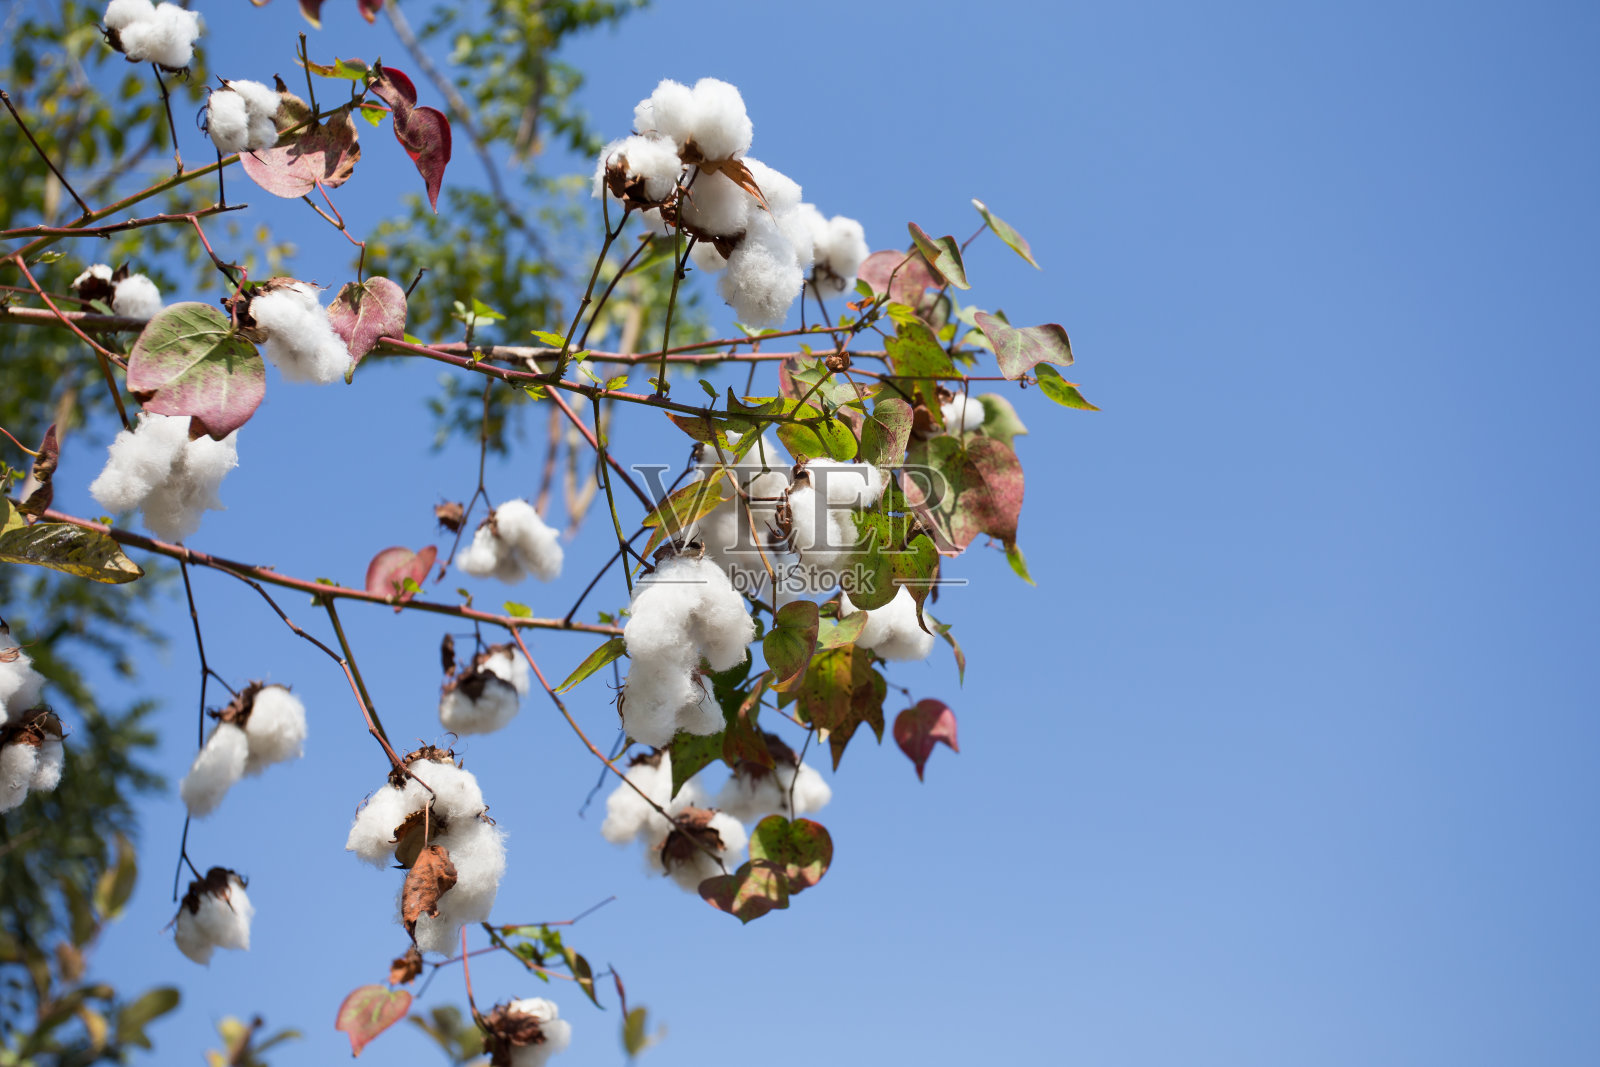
(215, 914)
(477, 851)
(892, 631)
(276, 728)
(555, 1032)
(962, 413)
(851, 485)
(165, 36)
(300, 339)
(136, 297)
(219, 764)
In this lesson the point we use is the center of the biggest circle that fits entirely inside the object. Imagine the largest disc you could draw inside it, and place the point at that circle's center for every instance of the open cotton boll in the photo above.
(18, 761)
(166, 37)
(781, 192)
(139, 460)
(822, 536)
(713, 205)
(120, 14)
(20, 685)
(628, 814)
(261, 104)
(704, 255)
(175, 507)
(678, 854)
(495, 705)
(754, 791)
(300, 339)
(763, 276)
(537, 546)
(276, 728)
(555, 1033)
(218, 765)
(227, 121)
(136, 297)
(653, 160)
(840, 246)
(47, 767)
(721, 625)
(851, 485)
(215, 913)
(892, 631)
(509, 666)
(712, 115)
(487, 557)
(653, 693)
(478, 852)
(962, 413)
(372, 834)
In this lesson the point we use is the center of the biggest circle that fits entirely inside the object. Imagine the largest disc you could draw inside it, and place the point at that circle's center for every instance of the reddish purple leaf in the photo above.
(366, 311)
(389, 569)
(325, 153)
(750, 892)
(369, 1011)
(312, 10)
(423, 132)
(370, 9)
(188, 361)
(1017, 351)
(978, 489)
(912, 277)
(918, 729)
(394, 87)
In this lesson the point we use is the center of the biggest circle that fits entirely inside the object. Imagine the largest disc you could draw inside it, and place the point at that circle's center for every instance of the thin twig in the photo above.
(5, 99)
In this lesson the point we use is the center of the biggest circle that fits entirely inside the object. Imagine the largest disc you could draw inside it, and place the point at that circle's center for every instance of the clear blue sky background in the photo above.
(1289, 758)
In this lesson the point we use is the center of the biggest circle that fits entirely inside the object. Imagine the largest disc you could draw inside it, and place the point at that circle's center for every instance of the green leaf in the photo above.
(188, 361)
(802, 848)
(133, 1018)
(915, 353)
(1000, 419)
(373, 113)
(65, 546)
(518, 611)
(600, 657)
(792, 639)
(885, 432)
(582, 972)
(1060, 390)
(1018, 562)
(1002, 230)
(818, 435)
(943, 255)
(115, 886)
(548, 339)
(838, 633)
(710, 389)
(684, 508)
(634, 1038)
(840, 692)
(756, 888)
(1018, 351)
(690, 753)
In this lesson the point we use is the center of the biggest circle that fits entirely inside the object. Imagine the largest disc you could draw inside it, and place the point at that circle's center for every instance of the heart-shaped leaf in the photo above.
(389, 570)
(750, 892)
(1003, 230)
(943, 254)
(188, 361)
(885, 432)
(366, 311)
(324, 153)
(369, 1011)
(423, 132)
(802, 848)
(1017, 351)
(964, 488)
(1063, 392)
(917, 729)
(903, 276)
(792, 639)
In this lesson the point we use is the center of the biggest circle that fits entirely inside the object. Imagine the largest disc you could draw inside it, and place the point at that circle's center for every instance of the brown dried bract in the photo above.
(38, 726)
(404, 969)
(447, 654)
(451, 515)
(509, 1030)
(239, 708)
(475, 677)
(691, 834)
(431, 877)
(777, 749)
(218, 882)
(412, 835)
(397, 776)
(648, 759)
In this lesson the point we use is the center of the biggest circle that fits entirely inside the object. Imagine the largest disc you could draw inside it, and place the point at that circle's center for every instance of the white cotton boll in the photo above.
(702, 717)
(713, 204)
(20, 685)
(851, 485)
(495, 706)
(276, 728)
(17, 764)
(136, 297)
(456, 796)
(300, 340)
(261, 105)
(653, 223)
(719, 126)
(478, 853)
(763, 277)
(99, 272)
(704, 255)
(798, 234)
(47, 768)
(219, 764)
(840, 248)
(166, 37)
(781, 192)
(482, 558)
(509, 666)
(628, 813)
(667, 111)
(228, 121)
(720, 625)
(120, 14)
(219, 923)
(652, 694)
(536, 545)
(962, 413)
(654, 159)
(749, 796)
(557, 1032)
(174, 508)
(372, 834)
(823, 537)
(139, 460)
(892, 631)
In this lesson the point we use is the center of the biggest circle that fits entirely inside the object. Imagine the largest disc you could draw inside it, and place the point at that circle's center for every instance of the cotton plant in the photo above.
(133, 296)
(170, 479)
(691, 842)
(682, 612)
(243, 117)
(754, 790)
(263, 725)
(406, 816)
(145, 32)
(525, 1033)
(215, 913)
(289, 319)
(512, 543)
(486, 693)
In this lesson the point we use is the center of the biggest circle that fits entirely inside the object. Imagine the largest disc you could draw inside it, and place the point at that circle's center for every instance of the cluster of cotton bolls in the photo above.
(264, 724)
(169, 478)
(692, 844)
(682, 611)
(486, 694)
(755, 790)
(300, 340)
(512, 543)
(243, 117)
(525, 1033)
(31, 753)
(215, 913)
(892, 630)
(686, 166)
(452, 817)
(132, 296)
(962, 413)
(149, 33)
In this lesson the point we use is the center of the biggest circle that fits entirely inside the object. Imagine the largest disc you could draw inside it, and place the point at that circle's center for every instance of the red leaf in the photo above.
(369, 1011)
(366, 311)
(423, 132)
(1018, 351)
(370, 9)
(312, 10)
(389, 569)
(917, 729)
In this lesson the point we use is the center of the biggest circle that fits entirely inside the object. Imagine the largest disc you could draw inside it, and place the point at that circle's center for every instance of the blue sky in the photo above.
(1288, 758)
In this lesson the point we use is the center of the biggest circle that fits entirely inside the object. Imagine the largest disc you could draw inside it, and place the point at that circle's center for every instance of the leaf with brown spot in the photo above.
(324, 153)
(431, 877)
(979, 489)
(917, 729)
(369, 1011)
(1019, 351)
(756, 888)
(803, 849)
(404, 969)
